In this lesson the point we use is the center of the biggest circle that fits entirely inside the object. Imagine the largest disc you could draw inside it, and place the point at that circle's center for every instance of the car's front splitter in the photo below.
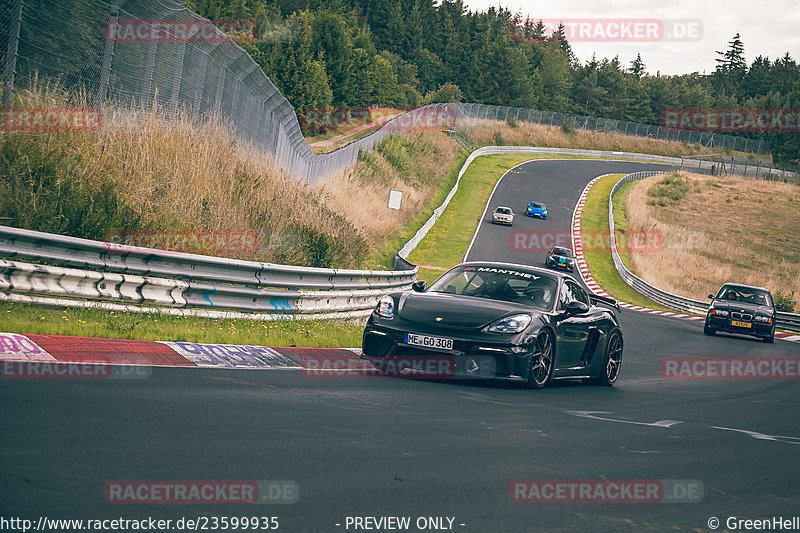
(470, 356)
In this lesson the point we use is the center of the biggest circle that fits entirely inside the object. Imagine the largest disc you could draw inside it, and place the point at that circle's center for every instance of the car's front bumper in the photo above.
(472, 355)
(502, 221)
(758, 329)
(536, 215)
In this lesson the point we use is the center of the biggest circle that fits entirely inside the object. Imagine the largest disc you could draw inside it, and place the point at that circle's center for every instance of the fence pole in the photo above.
(108, 55)
(176, 80)
(11, 55)
(147, 80)
(201, 77)
(223, 72)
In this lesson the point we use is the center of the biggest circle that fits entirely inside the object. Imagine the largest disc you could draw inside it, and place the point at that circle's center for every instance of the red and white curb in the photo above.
(52, 349)
(595, 287)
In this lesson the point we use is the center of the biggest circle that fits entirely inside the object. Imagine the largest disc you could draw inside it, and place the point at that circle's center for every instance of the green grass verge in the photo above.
(594, 221)
(25, 318)
(620, 218)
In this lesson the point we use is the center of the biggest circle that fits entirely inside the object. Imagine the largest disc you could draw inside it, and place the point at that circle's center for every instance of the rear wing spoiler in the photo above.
(604, 300)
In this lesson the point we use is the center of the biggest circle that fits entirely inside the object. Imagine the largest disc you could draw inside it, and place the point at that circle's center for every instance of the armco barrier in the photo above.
(131, 276)
(787, 321)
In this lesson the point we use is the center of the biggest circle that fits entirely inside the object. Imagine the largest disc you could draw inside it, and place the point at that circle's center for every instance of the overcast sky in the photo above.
(767, 27)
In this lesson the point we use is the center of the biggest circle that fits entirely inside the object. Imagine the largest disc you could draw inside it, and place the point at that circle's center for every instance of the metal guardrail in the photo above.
(106, 272)
(787, 321)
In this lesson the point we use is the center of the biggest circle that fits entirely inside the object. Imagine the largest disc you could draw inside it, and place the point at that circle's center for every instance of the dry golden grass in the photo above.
(177, 174)
(491, 132)
(724, 229)
(413, 162)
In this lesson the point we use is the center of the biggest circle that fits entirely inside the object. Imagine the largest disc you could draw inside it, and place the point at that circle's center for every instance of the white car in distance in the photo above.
(503, 215)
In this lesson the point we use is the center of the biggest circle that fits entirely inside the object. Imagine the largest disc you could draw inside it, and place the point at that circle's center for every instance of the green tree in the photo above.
(503, 76)
(332, 40)
(363, 94)
(638, 68)
(589, 96)
(785, 146)
(553, 79)
(384, 81)
(447, 93)
(731, 68)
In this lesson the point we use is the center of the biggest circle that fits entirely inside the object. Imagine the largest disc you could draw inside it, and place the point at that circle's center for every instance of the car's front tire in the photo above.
(708, 330)
(542, 360)
(771, 337)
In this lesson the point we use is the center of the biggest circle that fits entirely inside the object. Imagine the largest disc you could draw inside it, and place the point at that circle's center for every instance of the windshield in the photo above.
(509, 285)
(562, 251)
(503, 211)
(734, 293)
(537, 205)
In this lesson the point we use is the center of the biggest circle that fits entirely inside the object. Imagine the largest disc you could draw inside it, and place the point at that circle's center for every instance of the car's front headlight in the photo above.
(385, 307)
(766, 319)
(511, 324)
(718, 312)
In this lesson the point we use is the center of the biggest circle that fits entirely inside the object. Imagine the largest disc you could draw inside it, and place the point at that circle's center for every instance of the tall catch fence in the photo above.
(607, 125)
(120, 52)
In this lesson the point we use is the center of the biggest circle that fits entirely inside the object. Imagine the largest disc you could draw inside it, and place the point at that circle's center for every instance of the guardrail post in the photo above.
(11, 55)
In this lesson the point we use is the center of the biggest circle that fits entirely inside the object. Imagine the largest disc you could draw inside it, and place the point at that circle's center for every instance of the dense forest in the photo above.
(403, 53)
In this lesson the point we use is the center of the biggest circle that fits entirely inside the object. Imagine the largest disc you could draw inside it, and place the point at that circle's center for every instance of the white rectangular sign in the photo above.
(395, 199)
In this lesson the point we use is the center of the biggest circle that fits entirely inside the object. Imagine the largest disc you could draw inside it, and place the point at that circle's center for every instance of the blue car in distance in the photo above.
(536, 209)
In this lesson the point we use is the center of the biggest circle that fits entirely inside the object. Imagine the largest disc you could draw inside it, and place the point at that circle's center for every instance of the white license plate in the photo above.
(429, 342)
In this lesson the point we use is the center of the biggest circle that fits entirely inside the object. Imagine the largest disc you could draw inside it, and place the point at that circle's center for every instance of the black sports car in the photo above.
(560, 257)
(487, 319)
(742, 309)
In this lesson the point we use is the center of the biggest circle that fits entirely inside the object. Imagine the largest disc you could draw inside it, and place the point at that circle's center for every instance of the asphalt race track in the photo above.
(374, 447)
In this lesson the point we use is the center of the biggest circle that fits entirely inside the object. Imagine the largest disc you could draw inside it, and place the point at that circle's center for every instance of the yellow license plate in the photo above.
(740, 324)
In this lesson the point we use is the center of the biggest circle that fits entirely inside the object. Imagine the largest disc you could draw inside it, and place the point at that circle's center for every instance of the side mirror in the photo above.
(711, 296)
(576, 308)
(419, 285)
